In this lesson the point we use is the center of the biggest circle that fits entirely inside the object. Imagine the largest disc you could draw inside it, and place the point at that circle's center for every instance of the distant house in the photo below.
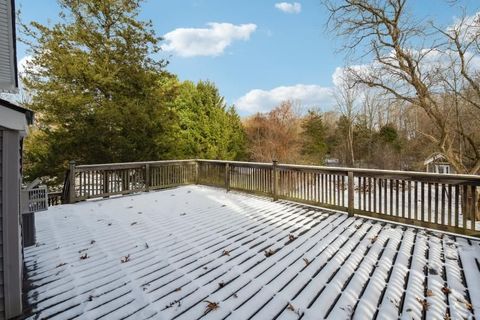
(438, 163)
(332, 162)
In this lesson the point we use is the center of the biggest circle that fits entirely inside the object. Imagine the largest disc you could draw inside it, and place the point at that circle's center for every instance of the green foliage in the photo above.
(206, 127)
(314, 147)
(100, 95)
(95, 87)
(388, 134)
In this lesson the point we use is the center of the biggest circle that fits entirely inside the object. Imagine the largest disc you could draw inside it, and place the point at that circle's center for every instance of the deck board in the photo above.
(255, 258)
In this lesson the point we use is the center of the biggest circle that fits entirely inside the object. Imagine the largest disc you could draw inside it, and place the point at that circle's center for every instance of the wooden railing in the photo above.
(440, 201)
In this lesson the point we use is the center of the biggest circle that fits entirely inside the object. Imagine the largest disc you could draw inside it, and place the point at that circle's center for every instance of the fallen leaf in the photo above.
(306, 261)
(226, 253)
(269, 253)
(84, 256)
(291, 237)
(125, 259)
(424, 303)
(221, 284)
(429, 293)
(178, 289)
(211, 306)
(468, 305)
(446, 290)
(292, 308)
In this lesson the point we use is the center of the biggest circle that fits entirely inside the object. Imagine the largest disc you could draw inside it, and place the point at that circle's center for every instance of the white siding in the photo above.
(8, 80)
(2, 302)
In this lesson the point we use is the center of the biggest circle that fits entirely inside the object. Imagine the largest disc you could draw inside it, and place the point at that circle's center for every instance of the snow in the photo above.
(169, 254)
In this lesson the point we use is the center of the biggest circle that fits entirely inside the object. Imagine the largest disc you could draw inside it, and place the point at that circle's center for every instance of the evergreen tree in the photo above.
(314, 147)
(206, 127)
(96, 88)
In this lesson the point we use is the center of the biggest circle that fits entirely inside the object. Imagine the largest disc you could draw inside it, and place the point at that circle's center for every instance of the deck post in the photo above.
(350, 194)
(71, 179)
(275, 180)
(227, 176)
(196, 171)
(147, 177)
(105, 183)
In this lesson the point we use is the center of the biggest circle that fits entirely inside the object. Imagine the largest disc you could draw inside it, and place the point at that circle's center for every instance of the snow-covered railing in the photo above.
(441, 201)
(94, 181)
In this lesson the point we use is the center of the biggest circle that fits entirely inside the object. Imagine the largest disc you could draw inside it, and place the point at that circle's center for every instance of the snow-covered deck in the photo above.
(198, 252)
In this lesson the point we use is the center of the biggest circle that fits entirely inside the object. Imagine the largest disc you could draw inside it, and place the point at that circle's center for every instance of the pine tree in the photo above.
(96, 88)
(314, 147)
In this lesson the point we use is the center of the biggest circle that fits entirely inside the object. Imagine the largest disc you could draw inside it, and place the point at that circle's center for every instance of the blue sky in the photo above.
(257, 52)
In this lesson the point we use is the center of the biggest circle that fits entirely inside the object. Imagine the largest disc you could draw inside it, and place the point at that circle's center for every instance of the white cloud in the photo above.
(22, 64)
(467, 27)
(258, 100)
(211, 41)
(289, 7)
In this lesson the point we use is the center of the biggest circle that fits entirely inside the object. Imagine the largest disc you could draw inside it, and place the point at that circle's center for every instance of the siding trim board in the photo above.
(12, 250)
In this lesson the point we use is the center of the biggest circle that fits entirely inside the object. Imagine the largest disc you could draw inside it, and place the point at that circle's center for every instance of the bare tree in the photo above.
(385, 30)
(347, 102)
(275, 135)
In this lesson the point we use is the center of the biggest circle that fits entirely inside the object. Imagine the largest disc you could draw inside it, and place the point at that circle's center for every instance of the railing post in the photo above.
(227, 176)
(275, 180)
(147, 177)
(351, 195)
(105, 183)
(71, 179)
(196, 171)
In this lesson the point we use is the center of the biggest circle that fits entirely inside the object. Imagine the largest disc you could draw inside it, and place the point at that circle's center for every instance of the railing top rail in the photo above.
(366, 172)
(129, 164)
(246, 163)
(374, 172)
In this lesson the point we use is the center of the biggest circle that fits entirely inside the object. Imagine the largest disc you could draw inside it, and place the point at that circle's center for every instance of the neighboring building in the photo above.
(14, 121)
(438, 163)
(332, 162)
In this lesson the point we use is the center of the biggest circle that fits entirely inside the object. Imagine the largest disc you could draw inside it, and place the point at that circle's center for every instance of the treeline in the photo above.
(101, 95)
(384, 138)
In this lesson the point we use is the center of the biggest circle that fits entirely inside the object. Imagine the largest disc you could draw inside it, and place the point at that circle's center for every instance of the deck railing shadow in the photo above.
(447, 202)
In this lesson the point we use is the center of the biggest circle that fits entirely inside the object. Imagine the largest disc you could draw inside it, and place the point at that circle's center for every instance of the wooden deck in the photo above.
(201, 253)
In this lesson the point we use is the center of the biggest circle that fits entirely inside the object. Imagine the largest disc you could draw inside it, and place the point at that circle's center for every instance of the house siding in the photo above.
(11, 250)
(8, 78)
(2, 301)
